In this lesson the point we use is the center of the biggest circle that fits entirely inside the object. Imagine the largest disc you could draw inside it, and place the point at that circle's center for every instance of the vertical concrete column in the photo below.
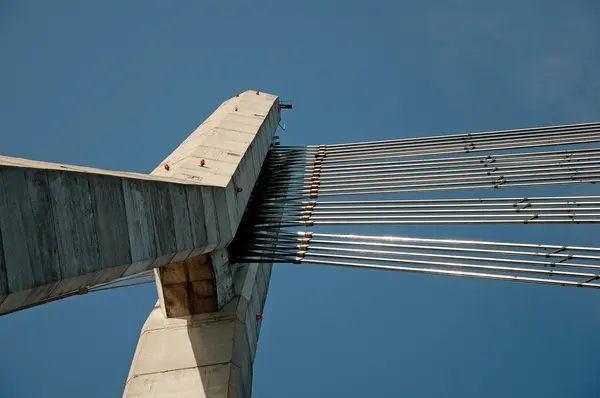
(195, 356)
(206, 355)
(200, 340)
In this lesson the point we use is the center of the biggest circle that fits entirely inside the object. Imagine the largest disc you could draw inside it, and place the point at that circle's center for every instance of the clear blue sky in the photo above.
(117, 85)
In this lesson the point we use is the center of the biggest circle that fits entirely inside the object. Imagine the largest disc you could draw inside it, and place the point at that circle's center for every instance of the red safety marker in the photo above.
(167, 167)
(258, 317)
(239, 190)
(202, 162)
(257, 93)
(237, 95)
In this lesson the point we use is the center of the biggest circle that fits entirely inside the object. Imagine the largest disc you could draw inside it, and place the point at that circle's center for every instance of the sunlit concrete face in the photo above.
(187, 357)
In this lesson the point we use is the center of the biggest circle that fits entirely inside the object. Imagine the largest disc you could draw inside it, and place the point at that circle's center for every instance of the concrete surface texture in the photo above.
(205, 355)
(64, 228)
(197, 285)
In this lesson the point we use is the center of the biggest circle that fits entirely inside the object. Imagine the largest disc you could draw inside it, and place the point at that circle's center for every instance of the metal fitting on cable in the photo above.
(321, 153)
(557, 251)
(570, 256)
(315, 180)
(301, 253)
(491, 171)
(299, 256)
(521, 201)
(318, 164)
(523, 208)
(487, 160)
(531, 219)
(307, 214)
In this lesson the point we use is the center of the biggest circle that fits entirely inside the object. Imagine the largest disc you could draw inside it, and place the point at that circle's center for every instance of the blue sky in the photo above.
(117, 85)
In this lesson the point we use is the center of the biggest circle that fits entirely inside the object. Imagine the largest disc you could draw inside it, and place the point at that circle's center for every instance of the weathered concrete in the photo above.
(187, 287)
(198, 285)
(207, 355)
(64, 228)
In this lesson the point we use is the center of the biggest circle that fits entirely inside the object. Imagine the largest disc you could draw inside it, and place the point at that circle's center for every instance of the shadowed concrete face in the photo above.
(188, 287)
(205, 355)
(198, 285)
(65, 228)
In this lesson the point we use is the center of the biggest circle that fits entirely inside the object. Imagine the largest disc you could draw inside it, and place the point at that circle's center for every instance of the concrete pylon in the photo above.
(200, 339)
(64, 229)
